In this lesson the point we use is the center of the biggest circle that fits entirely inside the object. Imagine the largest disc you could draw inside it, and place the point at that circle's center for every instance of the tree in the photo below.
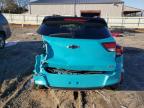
(13, 6)
(10, 6)
(1, 5)
(22, 3)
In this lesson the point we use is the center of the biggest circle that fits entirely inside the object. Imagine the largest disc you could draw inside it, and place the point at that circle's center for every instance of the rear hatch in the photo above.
(78, 45)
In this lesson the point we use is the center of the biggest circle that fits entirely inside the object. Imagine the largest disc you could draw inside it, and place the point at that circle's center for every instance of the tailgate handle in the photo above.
(73, 46)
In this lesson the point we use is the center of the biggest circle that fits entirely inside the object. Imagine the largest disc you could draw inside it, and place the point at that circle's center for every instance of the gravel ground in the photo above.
(16, 65)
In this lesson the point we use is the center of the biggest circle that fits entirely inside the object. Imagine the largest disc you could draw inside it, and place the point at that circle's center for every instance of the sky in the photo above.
(135, 3)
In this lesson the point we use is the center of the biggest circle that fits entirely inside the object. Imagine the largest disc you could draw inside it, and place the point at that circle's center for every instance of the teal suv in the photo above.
(79, 53)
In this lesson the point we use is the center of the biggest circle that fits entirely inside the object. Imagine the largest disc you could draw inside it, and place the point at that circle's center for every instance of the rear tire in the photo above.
(37, 87)
(115, 87)
(2, 42)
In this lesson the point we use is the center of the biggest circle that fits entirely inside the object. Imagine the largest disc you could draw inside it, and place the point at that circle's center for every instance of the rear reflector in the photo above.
(110, 46)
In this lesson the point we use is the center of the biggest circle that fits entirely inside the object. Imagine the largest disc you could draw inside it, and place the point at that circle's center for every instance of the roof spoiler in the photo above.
(77, 19)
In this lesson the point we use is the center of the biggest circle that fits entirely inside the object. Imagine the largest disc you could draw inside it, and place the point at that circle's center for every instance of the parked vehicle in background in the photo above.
(5, 31)
(79, 53)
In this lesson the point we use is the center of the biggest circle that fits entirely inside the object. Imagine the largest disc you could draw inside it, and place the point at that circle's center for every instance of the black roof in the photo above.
(76, 1)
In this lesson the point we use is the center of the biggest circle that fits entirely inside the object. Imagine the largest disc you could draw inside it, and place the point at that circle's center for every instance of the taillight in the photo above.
(119, 50)
(110, 46)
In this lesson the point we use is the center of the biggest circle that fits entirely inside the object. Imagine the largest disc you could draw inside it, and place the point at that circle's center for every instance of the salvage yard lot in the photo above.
(16, 65)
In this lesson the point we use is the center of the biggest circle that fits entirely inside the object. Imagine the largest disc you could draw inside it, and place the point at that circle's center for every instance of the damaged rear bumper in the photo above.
(74, 81)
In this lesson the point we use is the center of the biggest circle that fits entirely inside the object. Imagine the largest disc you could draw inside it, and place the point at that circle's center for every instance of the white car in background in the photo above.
(5, 31)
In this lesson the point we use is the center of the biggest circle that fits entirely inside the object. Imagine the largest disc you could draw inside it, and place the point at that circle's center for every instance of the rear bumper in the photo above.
(75, 81)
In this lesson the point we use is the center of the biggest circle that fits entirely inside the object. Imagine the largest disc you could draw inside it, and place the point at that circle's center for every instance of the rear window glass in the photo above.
(75, 30)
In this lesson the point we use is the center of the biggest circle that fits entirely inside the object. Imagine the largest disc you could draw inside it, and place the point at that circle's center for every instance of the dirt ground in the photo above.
(16, 66)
